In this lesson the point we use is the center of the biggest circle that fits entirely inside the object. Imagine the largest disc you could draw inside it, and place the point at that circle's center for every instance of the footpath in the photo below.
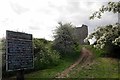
(84, 59)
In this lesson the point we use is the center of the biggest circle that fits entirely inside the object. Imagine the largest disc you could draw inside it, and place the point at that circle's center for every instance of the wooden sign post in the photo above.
(20, 75)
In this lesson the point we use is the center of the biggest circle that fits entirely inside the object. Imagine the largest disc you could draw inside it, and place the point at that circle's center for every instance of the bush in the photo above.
(108, 39)
(45, 56)
(65, 41)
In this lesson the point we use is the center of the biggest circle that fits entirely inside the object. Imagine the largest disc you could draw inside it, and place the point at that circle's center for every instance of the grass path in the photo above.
(84, 59)
(100, 68)
(53, 71)
(86, 68)
(82, 68)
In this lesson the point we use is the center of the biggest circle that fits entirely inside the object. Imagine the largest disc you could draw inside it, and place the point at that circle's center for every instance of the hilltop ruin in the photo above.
(81, 33)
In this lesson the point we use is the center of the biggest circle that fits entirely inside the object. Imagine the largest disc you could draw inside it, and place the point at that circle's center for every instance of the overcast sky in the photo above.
(40, 17)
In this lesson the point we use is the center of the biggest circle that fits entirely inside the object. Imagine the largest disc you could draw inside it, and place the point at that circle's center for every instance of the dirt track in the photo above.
(85, 58)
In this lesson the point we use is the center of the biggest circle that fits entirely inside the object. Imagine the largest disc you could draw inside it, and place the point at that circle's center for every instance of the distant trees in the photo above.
(2, 49)
(65, 41)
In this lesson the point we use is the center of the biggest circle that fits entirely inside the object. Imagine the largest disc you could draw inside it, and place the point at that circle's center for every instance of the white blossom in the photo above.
(107, 34)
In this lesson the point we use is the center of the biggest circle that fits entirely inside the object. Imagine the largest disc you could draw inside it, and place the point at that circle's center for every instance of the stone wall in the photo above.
(81, 33)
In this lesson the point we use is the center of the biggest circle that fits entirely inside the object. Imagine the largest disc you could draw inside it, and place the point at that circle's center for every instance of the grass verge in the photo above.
(53, 71)
(101, 68)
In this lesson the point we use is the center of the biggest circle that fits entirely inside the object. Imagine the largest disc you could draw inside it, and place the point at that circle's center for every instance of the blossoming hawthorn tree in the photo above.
(107, 37)
(111, 7)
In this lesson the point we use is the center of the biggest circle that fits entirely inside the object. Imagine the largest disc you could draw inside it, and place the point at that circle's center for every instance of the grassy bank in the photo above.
(100, 68)
(53, 71)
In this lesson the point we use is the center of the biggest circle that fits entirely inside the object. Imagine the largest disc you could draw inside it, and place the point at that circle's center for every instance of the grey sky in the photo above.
(40, 17)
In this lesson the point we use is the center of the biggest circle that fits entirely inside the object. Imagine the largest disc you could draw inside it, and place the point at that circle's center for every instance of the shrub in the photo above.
(45, 56)
(107, 38)
(65, 41)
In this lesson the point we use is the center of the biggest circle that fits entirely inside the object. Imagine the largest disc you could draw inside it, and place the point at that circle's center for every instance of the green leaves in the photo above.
(65, 40)
(108, 39)
(44, 54)
(106, 34)
(110, 7)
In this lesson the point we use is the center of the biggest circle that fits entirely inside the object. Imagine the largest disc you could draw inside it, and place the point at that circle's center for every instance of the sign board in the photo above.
(19, 51)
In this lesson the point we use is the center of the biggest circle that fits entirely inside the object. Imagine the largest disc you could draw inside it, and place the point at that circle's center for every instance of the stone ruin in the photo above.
(81, 33)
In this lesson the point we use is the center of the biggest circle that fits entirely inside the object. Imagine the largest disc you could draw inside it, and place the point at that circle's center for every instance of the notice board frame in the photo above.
(7, 37)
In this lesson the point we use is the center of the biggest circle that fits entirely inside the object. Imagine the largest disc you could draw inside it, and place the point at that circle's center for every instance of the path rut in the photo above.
(85, 58)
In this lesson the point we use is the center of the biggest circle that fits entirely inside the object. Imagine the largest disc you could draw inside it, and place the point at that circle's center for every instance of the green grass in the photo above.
(101, 68)
(96, 52)
(53, 71)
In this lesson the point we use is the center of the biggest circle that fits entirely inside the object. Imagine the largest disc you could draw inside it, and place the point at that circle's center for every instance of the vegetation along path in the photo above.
(84, 59)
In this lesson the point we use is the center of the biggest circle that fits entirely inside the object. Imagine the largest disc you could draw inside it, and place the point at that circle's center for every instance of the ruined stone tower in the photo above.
(81, 33)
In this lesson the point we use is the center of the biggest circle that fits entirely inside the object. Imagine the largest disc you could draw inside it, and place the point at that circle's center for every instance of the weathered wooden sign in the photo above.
(19, 51)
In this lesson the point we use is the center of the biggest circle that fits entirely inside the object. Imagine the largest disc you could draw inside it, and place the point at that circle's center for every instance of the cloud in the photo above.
(79, 12)
(34, 27)
(18, 8)
(40, 17)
